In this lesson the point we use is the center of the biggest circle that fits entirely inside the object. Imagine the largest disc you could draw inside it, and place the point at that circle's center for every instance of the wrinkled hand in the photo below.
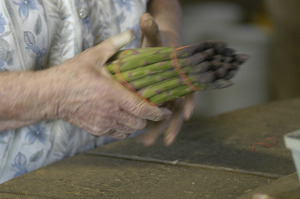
(182, 108)
(93, 101)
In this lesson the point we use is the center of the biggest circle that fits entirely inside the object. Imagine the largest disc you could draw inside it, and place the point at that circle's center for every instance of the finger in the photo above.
(173, 129)
(95, 130)
(151, 36)
(142, 109)
(175, 123)
(117, 135)
(130, 120)
(106, 127)
(189, 105)
(115, 126)
(155, 129)
(110, 46)
(122, 129)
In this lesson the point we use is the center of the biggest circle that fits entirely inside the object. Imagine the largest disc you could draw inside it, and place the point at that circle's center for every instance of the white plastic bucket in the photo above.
(292, 142)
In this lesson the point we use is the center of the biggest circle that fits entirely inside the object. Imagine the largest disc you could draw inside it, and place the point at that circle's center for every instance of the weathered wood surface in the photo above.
(211, 158)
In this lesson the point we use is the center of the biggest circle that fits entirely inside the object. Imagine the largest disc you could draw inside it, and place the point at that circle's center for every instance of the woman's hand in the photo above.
(90, 99)
(79, 91)
(182, 108)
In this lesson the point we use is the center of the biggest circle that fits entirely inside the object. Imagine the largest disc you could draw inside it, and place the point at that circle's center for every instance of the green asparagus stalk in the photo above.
(185, 90)
(199, 68)
(173, 94)
(151, 71)
(151, 79)
(139, 58)
(162, 66)
(134, 58)
(161, 87)
(203, 78)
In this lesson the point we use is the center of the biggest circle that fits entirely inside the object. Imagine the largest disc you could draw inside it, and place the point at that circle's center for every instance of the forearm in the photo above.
(26, 96)
(12, 124)
(168, 16)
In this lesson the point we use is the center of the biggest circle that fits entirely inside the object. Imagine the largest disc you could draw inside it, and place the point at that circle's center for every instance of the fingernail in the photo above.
(122, 39)
(149, 22)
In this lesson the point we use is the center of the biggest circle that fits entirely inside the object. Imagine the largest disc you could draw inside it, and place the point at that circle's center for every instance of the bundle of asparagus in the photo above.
(162, 74)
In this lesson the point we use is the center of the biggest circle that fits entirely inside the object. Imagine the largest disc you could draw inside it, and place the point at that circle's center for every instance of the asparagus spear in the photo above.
(134, 58)
(151, 70)
(162, 66)
(185, 90)
(199, 68)
(172, 94)
(195, 78)
(151, 79)
(206, 79)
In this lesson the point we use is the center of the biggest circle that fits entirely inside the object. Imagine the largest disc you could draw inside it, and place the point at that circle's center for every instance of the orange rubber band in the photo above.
(124, 82)
(264, 143)
(177, 67)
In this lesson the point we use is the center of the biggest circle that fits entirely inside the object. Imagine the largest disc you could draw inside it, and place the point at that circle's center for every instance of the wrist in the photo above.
(27, 95)
(48, 93)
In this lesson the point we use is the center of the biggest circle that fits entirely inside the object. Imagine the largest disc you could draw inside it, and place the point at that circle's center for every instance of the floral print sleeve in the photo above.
(5, 51)
(35, 35)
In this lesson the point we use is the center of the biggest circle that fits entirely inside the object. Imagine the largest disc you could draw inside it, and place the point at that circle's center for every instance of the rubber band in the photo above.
(124, 82)
(264, 144)
(119, 75)
(174, 61)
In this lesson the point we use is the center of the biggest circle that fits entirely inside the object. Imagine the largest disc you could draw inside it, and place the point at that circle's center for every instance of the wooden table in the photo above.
(212, 158)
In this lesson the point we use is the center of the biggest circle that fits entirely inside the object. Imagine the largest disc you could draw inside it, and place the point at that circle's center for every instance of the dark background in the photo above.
(269, 31)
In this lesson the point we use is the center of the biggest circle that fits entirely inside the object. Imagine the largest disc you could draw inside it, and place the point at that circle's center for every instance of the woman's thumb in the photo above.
(110, 46)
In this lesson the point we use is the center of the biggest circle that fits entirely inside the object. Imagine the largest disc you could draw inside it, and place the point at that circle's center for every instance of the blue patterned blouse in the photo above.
(36, 34)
